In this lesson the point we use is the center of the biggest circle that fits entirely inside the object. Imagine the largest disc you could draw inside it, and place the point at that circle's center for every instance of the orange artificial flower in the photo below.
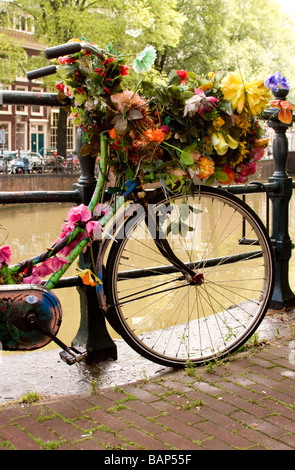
(113, 135)
(155, 135)
(262, 143)
(206, 167)
(285, 114)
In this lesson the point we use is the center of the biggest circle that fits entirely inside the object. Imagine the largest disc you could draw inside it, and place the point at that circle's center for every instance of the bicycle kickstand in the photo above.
(70, 355)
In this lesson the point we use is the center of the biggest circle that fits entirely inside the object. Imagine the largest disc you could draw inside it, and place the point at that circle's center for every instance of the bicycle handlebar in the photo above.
(62, 49)
(44, 71)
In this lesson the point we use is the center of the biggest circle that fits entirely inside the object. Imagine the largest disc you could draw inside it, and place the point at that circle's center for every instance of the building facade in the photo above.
(29, 127)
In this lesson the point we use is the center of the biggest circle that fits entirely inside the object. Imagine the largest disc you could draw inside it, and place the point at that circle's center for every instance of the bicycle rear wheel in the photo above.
(165, 315)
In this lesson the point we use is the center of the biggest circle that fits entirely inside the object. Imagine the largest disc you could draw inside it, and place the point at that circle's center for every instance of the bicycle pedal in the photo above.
(73, 355)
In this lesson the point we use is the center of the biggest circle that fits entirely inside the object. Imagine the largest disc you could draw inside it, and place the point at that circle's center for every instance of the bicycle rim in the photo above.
(165, 316)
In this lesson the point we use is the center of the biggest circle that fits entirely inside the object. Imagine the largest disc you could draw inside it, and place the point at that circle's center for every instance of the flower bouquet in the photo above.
(180, 130)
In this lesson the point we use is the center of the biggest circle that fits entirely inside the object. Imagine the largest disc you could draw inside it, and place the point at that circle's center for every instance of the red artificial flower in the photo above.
(183, 75)
(108, 61)
(123, 70)
(59, 87)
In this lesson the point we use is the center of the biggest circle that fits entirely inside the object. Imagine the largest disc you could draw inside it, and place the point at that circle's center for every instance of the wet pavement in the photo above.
(46, 374)
(155, 414)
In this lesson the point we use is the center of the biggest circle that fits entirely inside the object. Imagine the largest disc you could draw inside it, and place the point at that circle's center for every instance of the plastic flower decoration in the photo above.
(145, 59)
(175, 130)
(252, 96)
(285, 108)
(277, 82)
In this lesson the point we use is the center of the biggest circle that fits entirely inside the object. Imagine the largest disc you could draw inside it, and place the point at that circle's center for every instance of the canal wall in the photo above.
(36, 182)
(59, 182)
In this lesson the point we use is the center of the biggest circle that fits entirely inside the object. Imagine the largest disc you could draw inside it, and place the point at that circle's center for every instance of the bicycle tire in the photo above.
(166, 318)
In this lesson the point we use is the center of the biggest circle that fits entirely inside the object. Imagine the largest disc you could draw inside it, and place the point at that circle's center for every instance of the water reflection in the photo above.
(31, 228)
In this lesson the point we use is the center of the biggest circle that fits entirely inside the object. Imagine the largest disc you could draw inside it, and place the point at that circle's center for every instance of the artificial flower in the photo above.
(126, 100)
(276, 82)
(257, 153)
(57, 262)
(218, 123)
(230, 175)
(33, 278)
(183, 75)
(5, 254)
(199, 103)
(221, 143)
(206, 167)
(285, 114)
(93, 228)
(155, 135)
(145, 60)
(88, 277)
(250, 96)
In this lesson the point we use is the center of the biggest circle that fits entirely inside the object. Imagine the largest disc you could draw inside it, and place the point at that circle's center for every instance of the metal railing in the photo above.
(278, 189)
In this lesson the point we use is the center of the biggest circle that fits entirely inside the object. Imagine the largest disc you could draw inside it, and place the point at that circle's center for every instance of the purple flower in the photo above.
(276, 82)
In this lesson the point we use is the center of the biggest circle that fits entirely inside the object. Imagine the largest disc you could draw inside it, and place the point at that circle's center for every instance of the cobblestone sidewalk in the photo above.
(246, 403)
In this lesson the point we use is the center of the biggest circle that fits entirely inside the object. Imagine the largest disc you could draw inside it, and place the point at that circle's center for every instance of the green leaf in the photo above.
(221, 176)
(186, 155)
(173, 78)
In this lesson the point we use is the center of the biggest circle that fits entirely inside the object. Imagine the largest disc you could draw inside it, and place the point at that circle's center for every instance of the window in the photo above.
(5, 108)
(5, 136)
(20, 108)
(36, 109)
(71, 134)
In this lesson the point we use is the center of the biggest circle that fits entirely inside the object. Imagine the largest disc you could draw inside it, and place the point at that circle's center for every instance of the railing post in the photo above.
(283, 296)
(92, 333)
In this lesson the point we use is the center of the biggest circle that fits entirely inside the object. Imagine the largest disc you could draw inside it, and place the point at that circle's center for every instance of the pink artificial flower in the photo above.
(79, 213)
(257, 153)
(57, 262)
(45, 269)
(34, 278)
(240, 179)
(199, 103)
(93, 228)
(5, 254)
(101, 210)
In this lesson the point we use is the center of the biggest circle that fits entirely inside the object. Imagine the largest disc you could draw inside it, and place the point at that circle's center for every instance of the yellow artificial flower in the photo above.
(242, 122)
(250, 96)
(243, 151)
(206, 86)
(88, 277)
(221, 144)
(211, 75)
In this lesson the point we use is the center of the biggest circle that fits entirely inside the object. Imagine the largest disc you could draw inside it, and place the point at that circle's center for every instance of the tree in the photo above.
(225, 34)
(128, 25)
(12, 58)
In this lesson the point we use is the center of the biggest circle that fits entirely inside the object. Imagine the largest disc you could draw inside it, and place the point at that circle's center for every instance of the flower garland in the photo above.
(188, 128)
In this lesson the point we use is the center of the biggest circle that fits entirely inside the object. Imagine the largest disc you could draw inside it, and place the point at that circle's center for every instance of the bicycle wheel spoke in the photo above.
(173, 318)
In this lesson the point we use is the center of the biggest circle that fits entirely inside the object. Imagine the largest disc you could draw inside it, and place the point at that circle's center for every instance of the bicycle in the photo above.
(180, 282)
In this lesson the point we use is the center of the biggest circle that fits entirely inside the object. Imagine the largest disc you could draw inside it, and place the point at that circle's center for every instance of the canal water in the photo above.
(31, 228)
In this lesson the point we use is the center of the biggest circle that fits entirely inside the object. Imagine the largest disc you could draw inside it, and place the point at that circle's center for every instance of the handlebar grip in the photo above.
(63, 49)
(43, 72)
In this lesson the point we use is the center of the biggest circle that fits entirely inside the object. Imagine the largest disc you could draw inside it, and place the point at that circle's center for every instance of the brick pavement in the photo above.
(247, 402)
